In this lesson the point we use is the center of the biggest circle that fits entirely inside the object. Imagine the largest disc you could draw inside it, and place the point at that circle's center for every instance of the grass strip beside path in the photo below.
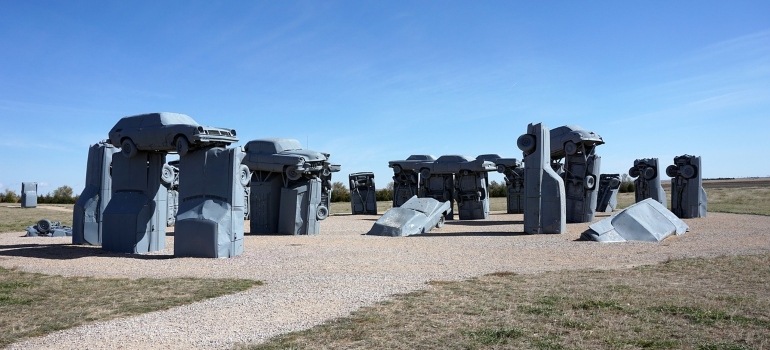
(719, 303)
(33, 304)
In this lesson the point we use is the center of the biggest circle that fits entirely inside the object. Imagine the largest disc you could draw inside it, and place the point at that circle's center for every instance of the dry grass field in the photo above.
(14, 218)
(681, 304)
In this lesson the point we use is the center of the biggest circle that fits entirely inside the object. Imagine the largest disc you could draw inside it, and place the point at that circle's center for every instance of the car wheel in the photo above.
(326, 172)
(589, 182)
(633, 172)
(650, 173)
(44, 226)
(689, 171)
(441, 221)
(425, 173)
(570, 148)
(182, 145)
(244, 175)
(293, 174)
(322, 212)
(501, 169)
(397, 169)
(672, 171)
(167, 174)
(128, 148)
(526, 143)
(614, 183)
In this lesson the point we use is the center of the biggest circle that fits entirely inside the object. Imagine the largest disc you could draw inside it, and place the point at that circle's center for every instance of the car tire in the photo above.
(397, 169)
(322, 212)
(326, 171)
(501, 169)
(167, 174)
(589, 182)
(672, 171)
(526, 143)
(441, 221)
(293, 174)
(182, 145)
(689, 171)
(128, 148)
(570, 148)
(614, 183)
(650, 173)
(633, 172)
(244, 175)
(44, 226)
(425, 173)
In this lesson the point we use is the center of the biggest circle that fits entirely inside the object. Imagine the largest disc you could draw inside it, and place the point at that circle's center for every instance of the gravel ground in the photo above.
(310, 279)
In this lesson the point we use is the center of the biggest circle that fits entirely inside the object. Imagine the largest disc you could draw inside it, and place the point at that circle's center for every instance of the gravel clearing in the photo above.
(311, 279)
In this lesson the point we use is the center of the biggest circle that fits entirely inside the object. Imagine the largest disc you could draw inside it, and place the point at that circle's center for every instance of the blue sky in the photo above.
(373, 81)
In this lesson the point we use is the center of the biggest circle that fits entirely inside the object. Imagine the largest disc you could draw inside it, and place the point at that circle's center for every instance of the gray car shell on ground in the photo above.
(647, 220)
(416, 216)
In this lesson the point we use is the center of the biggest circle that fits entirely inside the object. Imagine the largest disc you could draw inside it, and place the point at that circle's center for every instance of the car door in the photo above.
(152, 132)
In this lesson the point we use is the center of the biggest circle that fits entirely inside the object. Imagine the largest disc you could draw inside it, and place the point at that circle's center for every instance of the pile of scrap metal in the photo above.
(46, 228)
(647, 221)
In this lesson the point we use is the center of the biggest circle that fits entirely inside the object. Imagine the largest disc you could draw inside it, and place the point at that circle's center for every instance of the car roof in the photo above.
(454, 158)
(421, 157)
(161, 118)
(273, 145)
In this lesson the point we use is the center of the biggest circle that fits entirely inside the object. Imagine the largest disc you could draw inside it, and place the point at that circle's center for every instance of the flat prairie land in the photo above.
(471, 284)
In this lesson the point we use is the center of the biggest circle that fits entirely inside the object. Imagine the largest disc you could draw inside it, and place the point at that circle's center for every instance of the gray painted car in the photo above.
(453, 164)
(411, 163)
(287, 156)
(565, 140)
(171, 132)
(416, 216)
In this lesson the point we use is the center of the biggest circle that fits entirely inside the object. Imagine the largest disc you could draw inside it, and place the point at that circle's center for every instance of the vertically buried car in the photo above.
(171, 132)
(286, 156)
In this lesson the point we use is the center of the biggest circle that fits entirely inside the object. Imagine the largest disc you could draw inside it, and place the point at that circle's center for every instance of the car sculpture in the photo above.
(456, 164)
(287, 156)
(416, 216)
(567, 140)
(411, 163)
(170, 132)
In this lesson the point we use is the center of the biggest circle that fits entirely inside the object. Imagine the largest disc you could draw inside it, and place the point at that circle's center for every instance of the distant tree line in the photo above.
(61, 195)
(626, 184)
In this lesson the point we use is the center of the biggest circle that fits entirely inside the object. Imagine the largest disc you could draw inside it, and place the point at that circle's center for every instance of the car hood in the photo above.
(309, 155)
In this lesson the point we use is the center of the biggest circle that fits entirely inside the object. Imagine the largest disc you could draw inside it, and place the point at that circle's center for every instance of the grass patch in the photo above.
(34, 304)
(719, 303)
(15, 219)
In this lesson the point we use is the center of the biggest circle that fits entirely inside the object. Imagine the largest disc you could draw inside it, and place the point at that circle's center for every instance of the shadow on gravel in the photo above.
(471, 234)
(68, 251)
(482, 222)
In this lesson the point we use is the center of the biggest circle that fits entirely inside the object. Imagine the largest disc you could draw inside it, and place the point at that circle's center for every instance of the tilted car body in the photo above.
(170, 132)
(567, 139)
(287, 156)
(416, 216)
